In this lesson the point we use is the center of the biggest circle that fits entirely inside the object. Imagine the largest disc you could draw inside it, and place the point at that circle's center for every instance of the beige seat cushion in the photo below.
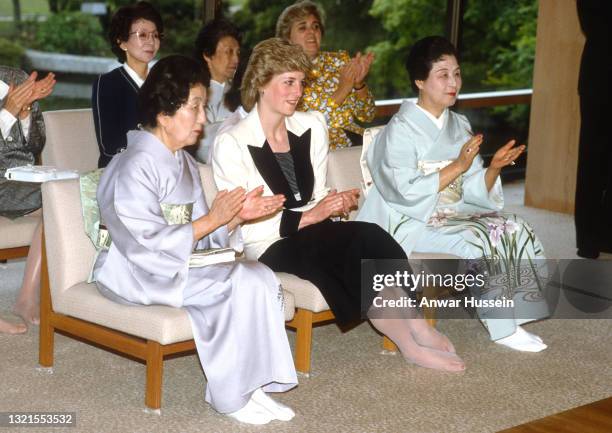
(18, 232)
(306, 294)
(159, 323)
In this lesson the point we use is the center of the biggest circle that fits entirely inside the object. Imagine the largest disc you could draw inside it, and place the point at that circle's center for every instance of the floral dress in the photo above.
(318, 92)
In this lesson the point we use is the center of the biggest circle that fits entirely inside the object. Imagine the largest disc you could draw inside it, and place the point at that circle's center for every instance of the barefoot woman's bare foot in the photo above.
(12, 328)
(428, 336)
(436, 359)
(28, 311)
(399, 332)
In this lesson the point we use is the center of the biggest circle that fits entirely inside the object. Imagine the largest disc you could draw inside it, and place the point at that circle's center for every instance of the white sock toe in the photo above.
(278, 410)
(252, 413)
(522, 341)
(532, 336)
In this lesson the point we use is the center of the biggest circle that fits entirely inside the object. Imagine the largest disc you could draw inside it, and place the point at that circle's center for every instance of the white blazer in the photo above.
(242, 157)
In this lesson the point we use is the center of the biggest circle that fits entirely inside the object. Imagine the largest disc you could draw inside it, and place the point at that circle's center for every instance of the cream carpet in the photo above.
(352, 388)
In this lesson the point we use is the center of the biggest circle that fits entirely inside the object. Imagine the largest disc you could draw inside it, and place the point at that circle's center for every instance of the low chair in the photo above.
(70, 144)
(16, 235)
(71, 140)
(72, 305)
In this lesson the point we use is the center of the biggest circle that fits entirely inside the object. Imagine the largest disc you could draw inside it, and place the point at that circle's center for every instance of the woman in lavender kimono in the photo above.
(432, 193)
(152, 203)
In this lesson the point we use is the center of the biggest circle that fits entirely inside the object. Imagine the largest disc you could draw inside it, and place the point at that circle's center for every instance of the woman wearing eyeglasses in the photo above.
(135, 34)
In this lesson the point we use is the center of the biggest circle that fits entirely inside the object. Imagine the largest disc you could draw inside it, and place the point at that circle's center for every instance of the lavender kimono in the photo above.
(462, 220)
(148, 197)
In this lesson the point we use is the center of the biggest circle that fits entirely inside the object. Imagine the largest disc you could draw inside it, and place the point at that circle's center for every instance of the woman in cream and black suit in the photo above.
(286, 152)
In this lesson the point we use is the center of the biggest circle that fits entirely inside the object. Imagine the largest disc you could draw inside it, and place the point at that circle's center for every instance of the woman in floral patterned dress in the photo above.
(337, 86)
(432, 193)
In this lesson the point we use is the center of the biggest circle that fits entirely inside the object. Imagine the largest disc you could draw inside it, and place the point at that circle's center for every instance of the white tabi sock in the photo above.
(522, 341)
(252, 413)
(533, 336)
(278, 410)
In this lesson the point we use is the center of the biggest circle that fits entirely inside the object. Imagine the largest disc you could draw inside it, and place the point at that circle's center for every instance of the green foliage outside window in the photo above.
(11, 54)
(71, 33)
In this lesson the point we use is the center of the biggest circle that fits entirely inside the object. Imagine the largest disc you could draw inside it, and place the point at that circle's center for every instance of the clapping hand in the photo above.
(506, 155)
(363, 63)
(469, 151)
(350, 201)
(256, 206)
(333, 204)
(43, 88)
(226, 206)
(348, 73)
(18, 97)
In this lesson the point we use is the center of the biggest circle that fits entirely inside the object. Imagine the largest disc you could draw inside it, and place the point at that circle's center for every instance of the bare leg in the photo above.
(400, 333)
(12, 328)
(26, 304)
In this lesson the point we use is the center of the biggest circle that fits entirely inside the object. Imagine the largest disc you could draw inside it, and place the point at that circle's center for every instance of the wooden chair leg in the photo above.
(47, 332)
(303, 339)
(155, 365)
(430, 313)
(388, 344)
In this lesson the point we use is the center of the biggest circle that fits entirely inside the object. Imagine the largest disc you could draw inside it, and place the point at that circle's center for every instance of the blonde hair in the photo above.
(297, 11)
(269, 58)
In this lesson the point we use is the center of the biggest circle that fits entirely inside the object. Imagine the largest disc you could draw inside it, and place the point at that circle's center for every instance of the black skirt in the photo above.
(329, 254)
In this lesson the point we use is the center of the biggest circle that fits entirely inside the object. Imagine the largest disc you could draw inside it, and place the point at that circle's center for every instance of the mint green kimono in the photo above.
(463, 219)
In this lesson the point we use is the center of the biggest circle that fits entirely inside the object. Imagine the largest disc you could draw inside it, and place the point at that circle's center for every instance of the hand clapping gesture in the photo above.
(333, 204)
(256, 206)
(226, 206)
(352, 76)
(363, 63)
(43, 88)
(21, 97)
(506, 155)
(469, 151)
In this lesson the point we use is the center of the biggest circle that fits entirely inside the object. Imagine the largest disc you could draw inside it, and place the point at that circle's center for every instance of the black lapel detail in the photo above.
(304, 173)
(273, 175)
(268, 167)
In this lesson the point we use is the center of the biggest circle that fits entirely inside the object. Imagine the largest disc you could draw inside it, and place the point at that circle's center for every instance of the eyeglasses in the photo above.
(147, 36)
(195, 106)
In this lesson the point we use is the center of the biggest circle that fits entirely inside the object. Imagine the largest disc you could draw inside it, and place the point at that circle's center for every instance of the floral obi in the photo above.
(453, 193)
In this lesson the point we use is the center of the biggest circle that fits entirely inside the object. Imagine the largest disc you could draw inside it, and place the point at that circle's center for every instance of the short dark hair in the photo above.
(121, 24)
(167, 87)
(423, 54)
(211, 33)
(233, 98)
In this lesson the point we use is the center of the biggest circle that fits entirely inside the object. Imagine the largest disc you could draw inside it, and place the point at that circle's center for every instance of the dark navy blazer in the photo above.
(114, 100)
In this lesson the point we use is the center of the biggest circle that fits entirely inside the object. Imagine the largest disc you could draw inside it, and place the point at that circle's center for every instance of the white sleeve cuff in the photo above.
(7, 120)
(25, 126)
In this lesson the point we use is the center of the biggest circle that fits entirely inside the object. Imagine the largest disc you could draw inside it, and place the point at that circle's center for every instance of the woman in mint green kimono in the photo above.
(432, 193)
